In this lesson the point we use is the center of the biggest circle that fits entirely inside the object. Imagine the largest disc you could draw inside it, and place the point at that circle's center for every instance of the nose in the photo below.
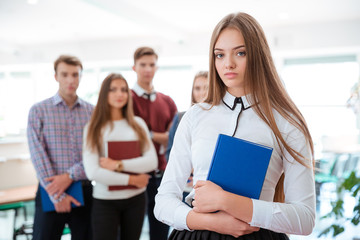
(120, 93)
(229, 63)
(148, 68)
(71, 79)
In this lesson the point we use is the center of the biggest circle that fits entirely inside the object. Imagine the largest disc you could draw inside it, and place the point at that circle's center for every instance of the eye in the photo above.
(219, 55)
(241, 54)
(112, 89)
(124, 90)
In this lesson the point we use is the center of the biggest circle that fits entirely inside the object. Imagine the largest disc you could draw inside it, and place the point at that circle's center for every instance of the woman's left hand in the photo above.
(108, 163)
(208, 197)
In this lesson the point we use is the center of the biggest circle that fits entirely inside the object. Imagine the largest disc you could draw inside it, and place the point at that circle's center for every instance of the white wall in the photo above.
(328, 36)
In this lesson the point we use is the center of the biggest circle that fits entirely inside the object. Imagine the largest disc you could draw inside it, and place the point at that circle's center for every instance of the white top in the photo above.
(103, 177)
(194, 144)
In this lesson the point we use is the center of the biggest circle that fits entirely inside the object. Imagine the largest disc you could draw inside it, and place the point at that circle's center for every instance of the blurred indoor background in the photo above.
(315, 45)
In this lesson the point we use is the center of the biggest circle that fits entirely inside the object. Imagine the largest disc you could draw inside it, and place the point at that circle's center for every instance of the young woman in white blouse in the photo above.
(113, 120)
(246, 100)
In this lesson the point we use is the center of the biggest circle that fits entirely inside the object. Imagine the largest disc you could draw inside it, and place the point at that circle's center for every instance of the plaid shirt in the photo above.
(55, 137)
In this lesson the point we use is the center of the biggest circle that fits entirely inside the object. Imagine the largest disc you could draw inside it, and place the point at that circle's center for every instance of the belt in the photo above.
(156, 173)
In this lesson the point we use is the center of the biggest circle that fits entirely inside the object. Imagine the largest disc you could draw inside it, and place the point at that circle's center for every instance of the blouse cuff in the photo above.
(181, 213)
(262, 214)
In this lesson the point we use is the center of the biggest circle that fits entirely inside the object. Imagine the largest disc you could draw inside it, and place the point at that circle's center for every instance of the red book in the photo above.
(122, 150)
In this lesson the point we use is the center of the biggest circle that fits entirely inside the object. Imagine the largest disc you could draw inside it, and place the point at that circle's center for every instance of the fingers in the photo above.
(145, 180)
(51, 188)
(249, 229)
(246, 231)
(199, 183)
(254, 229)
(74, 201)
(147, 175)
(63, 206)
(50, 179)
(54, 189)
(194, 205)
(59, 193)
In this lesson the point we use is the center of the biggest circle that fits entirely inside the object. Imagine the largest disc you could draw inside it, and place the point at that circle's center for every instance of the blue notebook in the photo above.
(239, 166)
(74, 190)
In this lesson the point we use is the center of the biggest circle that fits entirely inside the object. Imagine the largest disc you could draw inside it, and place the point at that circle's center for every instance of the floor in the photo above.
(327, 194)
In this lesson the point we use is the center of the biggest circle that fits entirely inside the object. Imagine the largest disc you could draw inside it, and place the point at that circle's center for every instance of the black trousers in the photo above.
(158, 230)
(50, 225)
(108, 216)
(262, 234)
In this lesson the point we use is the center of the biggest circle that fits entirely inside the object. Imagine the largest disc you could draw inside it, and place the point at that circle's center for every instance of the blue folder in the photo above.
(239, 166)
(74, 190)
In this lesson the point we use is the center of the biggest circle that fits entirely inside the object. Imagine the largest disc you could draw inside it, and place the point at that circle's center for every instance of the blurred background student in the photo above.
(198, 94)
(54, 132)
(157, 110)
(114, 120)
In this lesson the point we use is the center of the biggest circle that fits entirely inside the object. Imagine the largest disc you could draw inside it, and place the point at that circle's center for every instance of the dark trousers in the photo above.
(108, 216)
(158, 230)
(50, 225)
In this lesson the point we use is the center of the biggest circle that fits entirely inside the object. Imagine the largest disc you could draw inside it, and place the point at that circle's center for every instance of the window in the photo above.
(23, 85)
(16, 96)
(321, 87)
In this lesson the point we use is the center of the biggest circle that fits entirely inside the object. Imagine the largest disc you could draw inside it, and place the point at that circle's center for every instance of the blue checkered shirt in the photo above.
(54, 135)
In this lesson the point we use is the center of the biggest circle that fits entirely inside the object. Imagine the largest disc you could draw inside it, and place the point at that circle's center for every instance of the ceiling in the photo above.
(22, 23)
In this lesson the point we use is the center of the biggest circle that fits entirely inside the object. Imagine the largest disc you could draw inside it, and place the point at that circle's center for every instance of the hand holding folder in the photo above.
(75, 190)
(122, 150)
(239, 166)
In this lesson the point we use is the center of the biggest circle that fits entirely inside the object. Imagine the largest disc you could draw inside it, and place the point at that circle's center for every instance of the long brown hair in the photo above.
(262, 83)
(102, 116)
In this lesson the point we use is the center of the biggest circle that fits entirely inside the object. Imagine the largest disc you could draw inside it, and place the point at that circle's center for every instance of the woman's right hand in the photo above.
(224, 223)
(139, 180)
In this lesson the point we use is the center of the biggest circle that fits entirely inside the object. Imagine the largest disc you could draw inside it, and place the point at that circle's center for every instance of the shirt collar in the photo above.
(57, 99)
(143, 93)
(232, 103)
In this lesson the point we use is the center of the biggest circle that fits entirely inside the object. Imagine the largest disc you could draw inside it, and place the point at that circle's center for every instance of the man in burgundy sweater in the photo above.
(157, 110)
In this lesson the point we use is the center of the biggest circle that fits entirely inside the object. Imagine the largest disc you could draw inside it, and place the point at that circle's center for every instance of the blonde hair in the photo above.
(262, 82)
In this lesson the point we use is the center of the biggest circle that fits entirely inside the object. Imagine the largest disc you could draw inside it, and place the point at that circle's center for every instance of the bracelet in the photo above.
(119, 166)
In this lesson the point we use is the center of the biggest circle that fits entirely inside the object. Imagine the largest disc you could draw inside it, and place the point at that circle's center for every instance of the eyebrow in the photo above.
(219, 49)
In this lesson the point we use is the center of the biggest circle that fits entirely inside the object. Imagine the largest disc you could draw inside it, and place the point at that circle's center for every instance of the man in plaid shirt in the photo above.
(55, 129)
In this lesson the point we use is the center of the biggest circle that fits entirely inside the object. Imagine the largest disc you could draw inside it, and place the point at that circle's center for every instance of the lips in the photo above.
(231, 75)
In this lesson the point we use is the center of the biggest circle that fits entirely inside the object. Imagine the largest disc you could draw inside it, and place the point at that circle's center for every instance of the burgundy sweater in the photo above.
(157, 115)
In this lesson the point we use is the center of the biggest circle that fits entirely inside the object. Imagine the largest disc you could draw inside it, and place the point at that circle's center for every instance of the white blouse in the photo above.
(194, 144)
(121, 131)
